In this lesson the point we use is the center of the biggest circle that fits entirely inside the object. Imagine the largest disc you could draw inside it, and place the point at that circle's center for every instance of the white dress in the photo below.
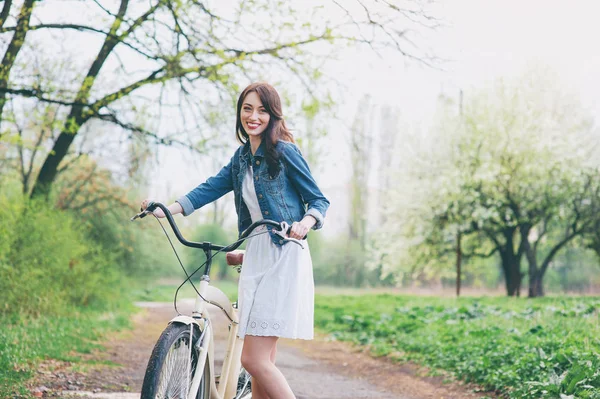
(276, 288)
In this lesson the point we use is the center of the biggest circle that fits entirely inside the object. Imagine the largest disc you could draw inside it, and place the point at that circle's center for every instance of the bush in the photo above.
(47, 263)
(52, 260)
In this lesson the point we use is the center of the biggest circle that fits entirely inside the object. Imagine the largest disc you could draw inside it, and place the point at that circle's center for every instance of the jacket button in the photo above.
(256, 178)
(258, 162)
(259, 195)
(281, 242)
(266, 212)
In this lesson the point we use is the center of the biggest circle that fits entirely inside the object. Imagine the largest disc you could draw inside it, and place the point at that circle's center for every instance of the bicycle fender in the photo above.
(187, 320)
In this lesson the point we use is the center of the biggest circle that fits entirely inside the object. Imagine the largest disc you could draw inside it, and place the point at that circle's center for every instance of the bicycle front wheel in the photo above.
(172, 365)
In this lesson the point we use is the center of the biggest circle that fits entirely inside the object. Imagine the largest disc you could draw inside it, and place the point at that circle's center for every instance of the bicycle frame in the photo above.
(230, 371)
(231, 363)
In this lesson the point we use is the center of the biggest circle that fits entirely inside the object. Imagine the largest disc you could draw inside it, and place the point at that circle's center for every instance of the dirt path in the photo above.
(315, 369)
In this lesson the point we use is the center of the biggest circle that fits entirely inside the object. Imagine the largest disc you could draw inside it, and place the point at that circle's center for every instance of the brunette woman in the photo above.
(270, 180)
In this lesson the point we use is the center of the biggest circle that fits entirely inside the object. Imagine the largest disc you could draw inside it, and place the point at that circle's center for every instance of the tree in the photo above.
(517, 170)
(360, 165)
(183, 51)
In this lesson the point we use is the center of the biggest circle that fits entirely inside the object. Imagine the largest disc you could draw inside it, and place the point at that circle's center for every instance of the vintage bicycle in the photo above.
(182, 361)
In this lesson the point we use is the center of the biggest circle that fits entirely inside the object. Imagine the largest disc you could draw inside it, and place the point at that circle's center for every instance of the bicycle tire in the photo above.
(166, 373)
(244, 387)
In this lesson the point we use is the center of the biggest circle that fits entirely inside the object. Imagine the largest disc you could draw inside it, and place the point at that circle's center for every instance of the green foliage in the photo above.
(140, 250)
(48, 264)
(25, 342)
(52, 260)
(342, 262)
(525, 349)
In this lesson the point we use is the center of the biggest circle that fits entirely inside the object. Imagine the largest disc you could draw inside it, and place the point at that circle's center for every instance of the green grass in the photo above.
(24, 343)
(543, 348)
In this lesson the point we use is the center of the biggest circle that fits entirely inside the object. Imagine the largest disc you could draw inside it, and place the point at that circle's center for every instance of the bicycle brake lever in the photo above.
(139, 215)
(285, 229)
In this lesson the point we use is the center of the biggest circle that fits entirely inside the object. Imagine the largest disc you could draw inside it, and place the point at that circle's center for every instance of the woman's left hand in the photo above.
(300, 229)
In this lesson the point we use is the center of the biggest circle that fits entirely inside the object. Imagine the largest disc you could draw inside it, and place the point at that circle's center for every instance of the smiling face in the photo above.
(253, 115)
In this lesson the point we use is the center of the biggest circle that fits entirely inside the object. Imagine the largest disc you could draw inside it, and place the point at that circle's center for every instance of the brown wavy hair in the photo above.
(276, 129)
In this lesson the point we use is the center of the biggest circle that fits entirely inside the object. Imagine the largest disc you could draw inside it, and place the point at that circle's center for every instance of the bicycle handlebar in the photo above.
(206, 245)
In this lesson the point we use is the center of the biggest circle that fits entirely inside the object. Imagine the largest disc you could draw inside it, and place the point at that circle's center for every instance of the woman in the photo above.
(270, 180)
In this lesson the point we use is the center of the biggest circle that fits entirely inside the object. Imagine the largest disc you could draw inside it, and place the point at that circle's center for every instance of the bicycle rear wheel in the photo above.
(172, 365)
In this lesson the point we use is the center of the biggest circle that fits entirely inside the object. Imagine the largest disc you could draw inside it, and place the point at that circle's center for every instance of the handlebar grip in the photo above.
(150, 208)
(290, 229)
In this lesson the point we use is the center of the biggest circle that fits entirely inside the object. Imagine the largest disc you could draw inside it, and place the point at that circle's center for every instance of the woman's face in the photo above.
(253, 115)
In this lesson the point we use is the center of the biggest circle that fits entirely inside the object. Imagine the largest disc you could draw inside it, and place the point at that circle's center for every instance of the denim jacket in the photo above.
(289, 196)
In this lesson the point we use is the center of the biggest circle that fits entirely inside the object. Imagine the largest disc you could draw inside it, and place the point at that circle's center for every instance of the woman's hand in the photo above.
(300, 229)
(157, 212)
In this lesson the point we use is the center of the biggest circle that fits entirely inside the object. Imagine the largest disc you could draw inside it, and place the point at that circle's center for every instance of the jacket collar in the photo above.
(247, 153)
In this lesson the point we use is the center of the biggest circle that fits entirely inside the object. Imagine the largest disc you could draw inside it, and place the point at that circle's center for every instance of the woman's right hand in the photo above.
(157, 212)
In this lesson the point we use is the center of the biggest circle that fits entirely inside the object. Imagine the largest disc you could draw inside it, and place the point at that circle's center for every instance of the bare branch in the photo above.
(481, 254)
(111, 117)
(40, 95)
(84, 28)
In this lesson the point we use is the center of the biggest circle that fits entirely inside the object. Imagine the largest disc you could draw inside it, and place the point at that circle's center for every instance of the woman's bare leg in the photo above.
(257, 390)
(258, 357)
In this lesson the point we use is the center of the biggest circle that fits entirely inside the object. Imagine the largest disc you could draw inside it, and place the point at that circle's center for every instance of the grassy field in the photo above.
(26, 342)
(543, 348)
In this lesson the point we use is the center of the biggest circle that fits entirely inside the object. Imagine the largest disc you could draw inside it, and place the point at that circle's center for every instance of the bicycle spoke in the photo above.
(176, 374)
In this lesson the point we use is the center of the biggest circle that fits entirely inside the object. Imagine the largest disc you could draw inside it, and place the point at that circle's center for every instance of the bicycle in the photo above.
(182, 362)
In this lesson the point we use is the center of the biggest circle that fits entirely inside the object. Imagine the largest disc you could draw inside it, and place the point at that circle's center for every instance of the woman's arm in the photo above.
(212, 189)
(209, 191)
(305, 184)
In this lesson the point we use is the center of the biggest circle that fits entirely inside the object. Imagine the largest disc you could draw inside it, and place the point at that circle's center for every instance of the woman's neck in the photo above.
(254, 143)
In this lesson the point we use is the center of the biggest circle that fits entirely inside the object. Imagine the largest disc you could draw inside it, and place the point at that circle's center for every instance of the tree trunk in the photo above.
(511, 263)
(511, 266)
(513, 282)
(5, 11)
(458, 263)
(59, 150)
(14, 47)
(536, 288)
(76, 116)
(535, 274)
